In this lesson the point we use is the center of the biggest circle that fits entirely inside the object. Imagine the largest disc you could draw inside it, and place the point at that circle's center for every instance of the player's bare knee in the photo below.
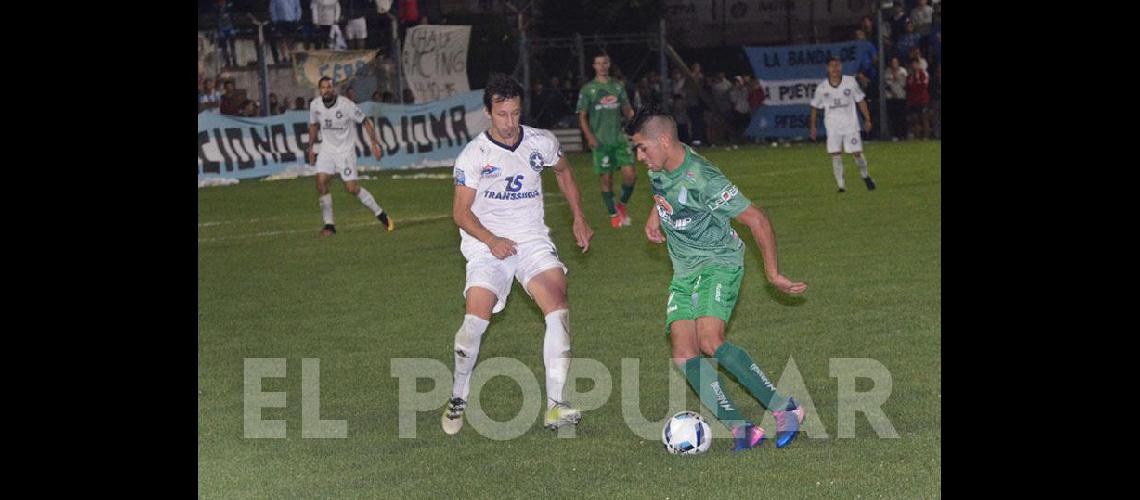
(710, 345)
(352, 189)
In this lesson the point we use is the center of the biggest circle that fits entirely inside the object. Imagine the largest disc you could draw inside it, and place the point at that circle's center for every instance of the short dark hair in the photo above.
(323, 78)
(501, 86)
(834, 58)
(646, 113)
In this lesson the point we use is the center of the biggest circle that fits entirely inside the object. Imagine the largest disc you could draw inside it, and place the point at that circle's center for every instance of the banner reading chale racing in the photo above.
(789, 76)
(416, 135)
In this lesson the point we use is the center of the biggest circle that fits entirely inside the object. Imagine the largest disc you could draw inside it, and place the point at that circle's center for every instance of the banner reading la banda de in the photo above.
(789, 76)
(412, 136)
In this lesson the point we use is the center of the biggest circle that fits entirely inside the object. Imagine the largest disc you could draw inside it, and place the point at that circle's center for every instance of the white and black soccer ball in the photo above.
(686, 433)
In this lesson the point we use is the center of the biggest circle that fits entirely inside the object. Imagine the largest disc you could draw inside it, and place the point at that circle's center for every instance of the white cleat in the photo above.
(561, 414)
(452, 419)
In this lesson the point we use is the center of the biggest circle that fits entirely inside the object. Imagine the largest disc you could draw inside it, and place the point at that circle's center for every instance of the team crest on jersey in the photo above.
(827, 95)
(460, 177)
(847, 92)
(663, 205)
(489, 172)
(536, 161)
(339, 115)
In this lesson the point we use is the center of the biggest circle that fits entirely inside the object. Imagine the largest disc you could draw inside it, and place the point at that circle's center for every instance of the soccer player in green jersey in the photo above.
(602, 105)
(694, 203)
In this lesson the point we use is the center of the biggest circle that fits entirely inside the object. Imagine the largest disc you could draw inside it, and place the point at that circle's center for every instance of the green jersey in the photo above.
(603, 102)
(696, 203)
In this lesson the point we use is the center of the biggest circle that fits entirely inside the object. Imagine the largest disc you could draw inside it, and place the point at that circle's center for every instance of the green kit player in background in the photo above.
(602, 105)
(694, 205)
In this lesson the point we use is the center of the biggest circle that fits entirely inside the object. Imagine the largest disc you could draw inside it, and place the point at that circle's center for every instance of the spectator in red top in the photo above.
(918, 100)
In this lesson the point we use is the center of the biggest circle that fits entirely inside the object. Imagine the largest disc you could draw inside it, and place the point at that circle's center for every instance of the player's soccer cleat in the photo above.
(328, 230)
(561, 414)
(453, 416)
(622, 213)
(870, 184)
(615, 221)
(383, 218)
(747, 436)
(841, 190)
(788, 423)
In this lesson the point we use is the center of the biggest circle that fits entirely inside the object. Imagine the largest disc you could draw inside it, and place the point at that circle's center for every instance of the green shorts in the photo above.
(610, 157)
(711, 292)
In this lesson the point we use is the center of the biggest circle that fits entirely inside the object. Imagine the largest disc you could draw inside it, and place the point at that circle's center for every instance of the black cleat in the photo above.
(841, 190)
(870, 184)
(383, 218)
(328, 230)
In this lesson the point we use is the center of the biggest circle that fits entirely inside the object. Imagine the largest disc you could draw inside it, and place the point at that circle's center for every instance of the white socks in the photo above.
(326, 208)
(861, 161)
(556, 354)
(467, 341)
(837, 169)
(368, 201)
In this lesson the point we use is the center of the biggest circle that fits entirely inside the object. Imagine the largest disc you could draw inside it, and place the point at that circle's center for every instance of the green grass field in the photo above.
(268, 287)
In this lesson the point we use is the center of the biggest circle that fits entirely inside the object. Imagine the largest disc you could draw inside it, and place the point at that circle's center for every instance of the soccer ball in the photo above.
(686, 433)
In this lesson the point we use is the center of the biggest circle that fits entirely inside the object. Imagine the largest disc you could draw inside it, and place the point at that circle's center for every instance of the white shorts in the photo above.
(356, 29)
(343, 164)
(851, 143)
(486, 271)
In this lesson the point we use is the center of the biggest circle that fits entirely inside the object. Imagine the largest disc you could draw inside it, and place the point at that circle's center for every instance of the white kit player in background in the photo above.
(837, 96)
(337, 117)
(499, 210)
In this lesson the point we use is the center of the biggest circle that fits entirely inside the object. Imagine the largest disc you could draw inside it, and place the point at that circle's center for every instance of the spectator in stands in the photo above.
(376, 96)
(274, 107)
(755, 99)
(284, 14)
(326, 13)
(897, 23)
(681, 114)
(908, 40)
(916, 55)
(231, 101)
(936, 102)
(356, 31)
(300, 105)
(388, 97)
(922, 15)
(350, 93)
(409, 14)
(409, 97)
(208, 97)
(918, 101)
(226, 33)
(741, 113)
(720, 86)
(870, 29)
(895, 80)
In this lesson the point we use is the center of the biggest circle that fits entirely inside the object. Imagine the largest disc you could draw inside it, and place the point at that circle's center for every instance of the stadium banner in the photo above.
(435, 61)
(412, 136)
(789, 75)
(340, 65)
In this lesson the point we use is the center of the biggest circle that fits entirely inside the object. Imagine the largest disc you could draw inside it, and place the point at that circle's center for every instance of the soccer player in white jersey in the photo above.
(837, 96)
(499, 209)
(337, 116)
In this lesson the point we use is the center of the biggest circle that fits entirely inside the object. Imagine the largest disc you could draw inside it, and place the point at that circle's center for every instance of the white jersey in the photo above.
(337, 123)
(508, 183)
(839, 105)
